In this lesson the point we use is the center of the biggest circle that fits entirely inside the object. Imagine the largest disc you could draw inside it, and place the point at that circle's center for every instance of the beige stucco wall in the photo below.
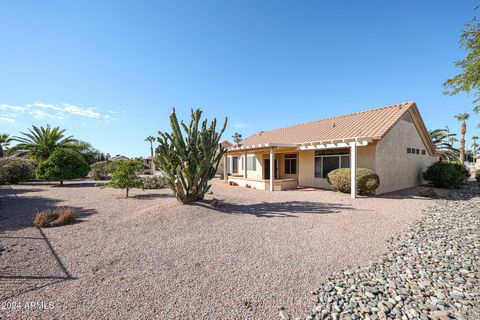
(396, 168)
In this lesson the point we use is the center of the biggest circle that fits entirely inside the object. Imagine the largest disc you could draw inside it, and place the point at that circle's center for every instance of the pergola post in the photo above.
(225, 168)
(245, 164)
(272, 168)
(353, 169)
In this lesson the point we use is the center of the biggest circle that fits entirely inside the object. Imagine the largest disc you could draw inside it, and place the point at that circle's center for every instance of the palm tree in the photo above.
(474, 147)
(442, 140)
(452, 137)
(237, 137)
(462, 117)
(40, 142)
(151, 139)
(4, 143)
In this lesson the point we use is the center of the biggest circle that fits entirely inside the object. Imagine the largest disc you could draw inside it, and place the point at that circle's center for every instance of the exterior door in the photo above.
(266, 169)
(234, 164)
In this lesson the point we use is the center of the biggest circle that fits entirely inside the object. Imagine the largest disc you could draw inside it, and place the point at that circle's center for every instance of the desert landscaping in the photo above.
(147, 256)
(252, 160)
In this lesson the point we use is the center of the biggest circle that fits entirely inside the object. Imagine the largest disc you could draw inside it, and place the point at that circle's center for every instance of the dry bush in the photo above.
(54, 217)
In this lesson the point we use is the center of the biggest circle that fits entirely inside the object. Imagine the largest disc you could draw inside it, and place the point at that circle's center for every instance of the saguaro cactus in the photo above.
(189, 163)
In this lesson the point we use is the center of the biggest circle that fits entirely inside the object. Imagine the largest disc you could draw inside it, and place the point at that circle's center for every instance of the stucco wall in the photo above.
(396, 168)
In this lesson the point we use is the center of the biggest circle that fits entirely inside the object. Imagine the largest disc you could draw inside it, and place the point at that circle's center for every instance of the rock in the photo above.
(328, 288)
(430, 271)
(214, 203)
(283, 315)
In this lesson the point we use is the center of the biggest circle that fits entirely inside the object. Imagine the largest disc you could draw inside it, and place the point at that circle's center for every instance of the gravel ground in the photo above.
(431, 271)
(148, 257)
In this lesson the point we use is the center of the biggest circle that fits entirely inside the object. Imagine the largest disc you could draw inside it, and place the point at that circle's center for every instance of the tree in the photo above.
(468, 79)
(63, 164)
(41, 142)
(189, 163)
(474, 147)
(151, 139)
(442, 140)
(124, 175)
(452, 137)
(4, 143)
(237, 137)
(88, 152)
(463, 117)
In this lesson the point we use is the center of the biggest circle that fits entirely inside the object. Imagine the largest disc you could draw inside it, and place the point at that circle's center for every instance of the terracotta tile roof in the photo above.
(373, 124)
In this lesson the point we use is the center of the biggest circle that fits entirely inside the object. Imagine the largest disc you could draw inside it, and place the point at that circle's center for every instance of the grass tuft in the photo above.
(54, 217)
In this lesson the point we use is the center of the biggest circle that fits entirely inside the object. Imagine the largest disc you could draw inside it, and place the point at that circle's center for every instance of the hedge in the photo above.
(14, 170)
(447, 174)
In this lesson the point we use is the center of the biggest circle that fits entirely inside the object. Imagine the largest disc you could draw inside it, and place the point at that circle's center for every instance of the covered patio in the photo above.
(251, 165)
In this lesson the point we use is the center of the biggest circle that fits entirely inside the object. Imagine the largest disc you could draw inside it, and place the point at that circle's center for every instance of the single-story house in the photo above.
(392, 141)
(119, 157)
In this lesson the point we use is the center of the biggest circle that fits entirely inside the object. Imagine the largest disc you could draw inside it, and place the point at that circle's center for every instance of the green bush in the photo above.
(367, 180)
(14, 170)
(477, 176)
(124, 175)
(446, 174)
(154, 182)
(99, 171)
(63, 164)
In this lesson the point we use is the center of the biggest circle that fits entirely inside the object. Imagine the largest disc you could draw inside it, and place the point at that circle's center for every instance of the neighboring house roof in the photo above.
(225, 143)
(117, 158)
(370, 124)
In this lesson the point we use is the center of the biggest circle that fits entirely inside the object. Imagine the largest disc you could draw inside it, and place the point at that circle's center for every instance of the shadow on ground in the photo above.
(17, 209)
(428, 192)
(287, 209)
(151, 196)
(25, 275)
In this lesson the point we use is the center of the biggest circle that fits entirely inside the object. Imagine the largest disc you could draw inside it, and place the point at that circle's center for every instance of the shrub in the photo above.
(153, 182)
(54, 217)
(124, 175)
(477, 176)
(446, 174)
(99, 171)
(367, 180)
(14, 170)
(63, 164)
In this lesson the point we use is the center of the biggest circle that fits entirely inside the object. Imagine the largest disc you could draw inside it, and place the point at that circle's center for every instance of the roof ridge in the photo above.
(410, 103)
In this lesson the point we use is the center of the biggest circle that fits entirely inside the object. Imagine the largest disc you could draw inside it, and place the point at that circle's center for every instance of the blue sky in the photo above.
(110, 71)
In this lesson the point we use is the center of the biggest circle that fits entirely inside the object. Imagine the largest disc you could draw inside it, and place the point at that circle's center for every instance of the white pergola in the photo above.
(351, 143)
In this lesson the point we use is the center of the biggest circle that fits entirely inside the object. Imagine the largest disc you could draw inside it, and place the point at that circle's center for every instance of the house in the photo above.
(119, 157)
(392, 141)
(149, 165)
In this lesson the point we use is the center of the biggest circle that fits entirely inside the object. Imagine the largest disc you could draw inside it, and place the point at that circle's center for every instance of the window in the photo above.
(251, 163)
(290, 164)
(417, 151)
(423, 152)
(409, 150)
(329, 160)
